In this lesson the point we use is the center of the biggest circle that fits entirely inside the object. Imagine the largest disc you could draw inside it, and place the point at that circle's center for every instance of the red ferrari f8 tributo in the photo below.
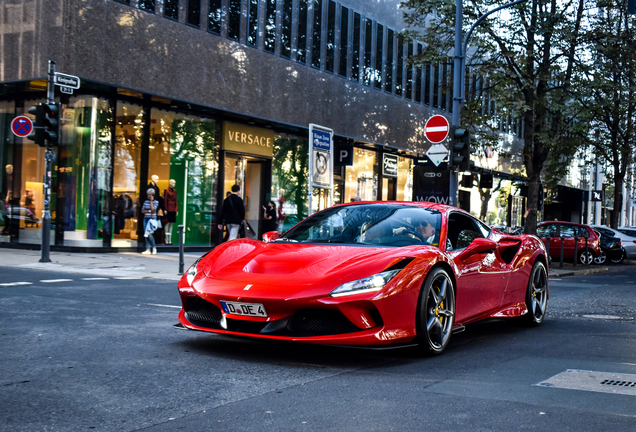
(376, 274)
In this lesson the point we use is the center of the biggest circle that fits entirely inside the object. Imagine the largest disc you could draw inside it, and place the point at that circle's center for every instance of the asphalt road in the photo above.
(79, 355)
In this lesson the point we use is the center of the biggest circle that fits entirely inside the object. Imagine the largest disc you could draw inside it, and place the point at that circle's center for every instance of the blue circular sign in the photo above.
(21, 126)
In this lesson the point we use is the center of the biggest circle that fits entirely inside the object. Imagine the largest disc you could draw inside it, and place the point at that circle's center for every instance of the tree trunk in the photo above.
(618, 201)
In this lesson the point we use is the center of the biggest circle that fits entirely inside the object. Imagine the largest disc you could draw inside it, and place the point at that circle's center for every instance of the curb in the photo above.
(565, 273)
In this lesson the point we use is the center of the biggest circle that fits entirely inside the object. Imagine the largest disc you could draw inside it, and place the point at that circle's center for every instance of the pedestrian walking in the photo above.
(269, 217)
(232, 213)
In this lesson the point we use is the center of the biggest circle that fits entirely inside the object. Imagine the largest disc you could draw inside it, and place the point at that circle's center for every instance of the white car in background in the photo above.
(628, 241)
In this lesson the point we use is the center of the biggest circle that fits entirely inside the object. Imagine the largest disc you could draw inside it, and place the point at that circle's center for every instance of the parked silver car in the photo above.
(628, 241)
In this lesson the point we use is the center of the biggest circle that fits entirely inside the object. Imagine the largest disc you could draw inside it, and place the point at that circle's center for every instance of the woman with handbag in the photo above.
(149, 210)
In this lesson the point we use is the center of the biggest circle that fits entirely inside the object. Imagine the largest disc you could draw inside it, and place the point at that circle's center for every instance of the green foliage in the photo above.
(528, 53)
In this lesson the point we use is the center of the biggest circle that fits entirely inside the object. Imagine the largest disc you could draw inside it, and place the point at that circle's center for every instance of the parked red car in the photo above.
(558, 230)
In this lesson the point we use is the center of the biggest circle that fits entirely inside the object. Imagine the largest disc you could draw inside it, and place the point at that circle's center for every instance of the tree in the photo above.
(610, 98)
(528, 53)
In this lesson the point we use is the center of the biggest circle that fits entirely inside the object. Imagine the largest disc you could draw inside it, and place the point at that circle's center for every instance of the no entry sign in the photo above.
(21, 126)
(436, 129)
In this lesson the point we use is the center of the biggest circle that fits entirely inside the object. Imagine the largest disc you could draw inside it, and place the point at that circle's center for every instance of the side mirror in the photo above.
(478, 246)
(270, 236)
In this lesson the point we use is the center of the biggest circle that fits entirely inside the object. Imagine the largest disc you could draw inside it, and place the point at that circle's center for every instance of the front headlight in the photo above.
(192, 272)
(371, 283)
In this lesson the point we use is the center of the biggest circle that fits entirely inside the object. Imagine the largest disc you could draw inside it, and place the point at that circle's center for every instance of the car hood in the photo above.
(252, 261)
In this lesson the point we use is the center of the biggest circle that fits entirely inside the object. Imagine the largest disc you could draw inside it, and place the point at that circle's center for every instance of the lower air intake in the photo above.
(202, 313)
(320, 322)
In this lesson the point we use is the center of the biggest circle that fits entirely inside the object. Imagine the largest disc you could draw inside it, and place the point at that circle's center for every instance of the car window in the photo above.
(628, 232)
(567, 230)
(462, 230)
(548, 230)
(370, 224)
(582, 232)
(605, 232)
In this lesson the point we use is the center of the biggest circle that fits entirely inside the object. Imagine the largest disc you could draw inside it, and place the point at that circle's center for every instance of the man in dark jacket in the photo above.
(232, 213)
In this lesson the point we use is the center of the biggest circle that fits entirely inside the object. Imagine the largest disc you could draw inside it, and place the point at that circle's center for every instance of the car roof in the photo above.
(444, 208)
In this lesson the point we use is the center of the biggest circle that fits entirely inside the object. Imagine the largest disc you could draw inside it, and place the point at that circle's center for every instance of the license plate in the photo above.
(246, 309)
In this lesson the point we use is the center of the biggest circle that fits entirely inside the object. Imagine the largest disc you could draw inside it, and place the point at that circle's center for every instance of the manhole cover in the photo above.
(604, 382)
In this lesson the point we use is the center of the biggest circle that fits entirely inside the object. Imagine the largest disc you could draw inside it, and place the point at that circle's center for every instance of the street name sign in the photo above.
(436, 129)
(65, 80)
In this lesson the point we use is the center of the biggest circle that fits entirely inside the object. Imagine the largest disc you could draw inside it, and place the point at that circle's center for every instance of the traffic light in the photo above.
(47, 124)
(460, 150)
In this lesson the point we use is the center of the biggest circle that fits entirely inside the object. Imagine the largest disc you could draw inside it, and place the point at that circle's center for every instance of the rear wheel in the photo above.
(618, 256)
(537, 295)
(436, 311)
(601, 258)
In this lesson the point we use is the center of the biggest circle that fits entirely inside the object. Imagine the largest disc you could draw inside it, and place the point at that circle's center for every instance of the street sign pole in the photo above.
(457, 95)
(49, 157)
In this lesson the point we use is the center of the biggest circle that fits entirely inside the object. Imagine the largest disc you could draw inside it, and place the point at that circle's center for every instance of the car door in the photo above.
(567, 236)
(481, 278)
(550, 230)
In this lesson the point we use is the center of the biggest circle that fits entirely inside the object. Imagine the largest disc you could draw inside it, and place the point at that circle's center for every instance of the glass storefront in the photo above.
(183, 168)
(23, 168)
(290, 174)
(361, 178)
(112, 151)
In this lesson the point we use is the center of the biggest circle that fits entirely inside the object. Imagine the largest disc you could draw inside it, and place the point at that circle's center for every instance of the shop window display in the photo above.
(22, 188)
(183, 167)
(289, 179)
(84, 172)
(7, 110)
(361, 178)
(405, 179)
(126, 176)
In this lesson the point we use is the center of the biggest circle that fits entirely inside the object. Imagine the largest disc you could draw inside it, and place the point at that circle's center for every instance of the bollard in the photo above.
(558, 233)
(181, 249)
(547, 246)
(576, 246)
(587, 235)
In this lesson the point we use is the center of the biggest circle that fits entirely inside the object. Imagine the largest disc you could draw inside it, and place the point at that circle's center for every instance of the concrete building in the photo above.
(190, 97)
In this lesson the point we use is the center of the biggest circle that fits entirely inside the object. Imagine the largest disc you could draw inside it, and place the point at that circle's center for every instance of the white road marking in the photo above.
(8, 284)
(95, 278)
(56, 280)
(160, 305)
(128, 277)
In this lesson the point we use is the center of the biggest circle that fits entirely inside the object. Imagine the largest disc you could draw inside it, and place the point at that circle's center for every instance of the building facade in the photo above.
(192, 96)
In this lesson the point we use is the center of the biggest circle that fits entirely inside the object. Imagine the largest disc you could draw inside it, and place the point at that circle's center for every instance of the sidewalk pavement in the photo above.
(124, 264)
(166, 265)
(569, 269)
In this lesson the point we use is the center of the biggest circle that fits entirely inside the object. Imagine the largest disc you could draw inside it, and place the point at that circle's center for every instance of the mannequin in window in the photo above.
(171, 208)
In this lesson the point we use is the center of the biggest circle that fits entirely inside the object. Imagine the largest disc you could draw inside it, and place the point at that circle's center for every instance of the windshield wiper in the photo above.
(285, 239)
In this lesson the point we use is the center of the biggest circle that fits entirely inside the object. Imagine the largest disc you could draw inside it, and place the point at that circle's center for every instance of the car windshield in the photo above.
(370, 224)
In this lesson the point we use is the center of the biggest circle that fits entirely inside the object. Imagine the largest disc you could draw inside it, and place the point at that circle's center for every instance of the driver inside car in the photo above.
(422, 228)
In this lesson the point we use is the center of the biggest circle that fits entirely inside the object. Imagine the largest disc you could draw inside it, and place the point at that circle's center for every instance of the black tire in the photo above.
(590, 257)
(618, 257)
(536, 295)
(436, 311)
(600, 260)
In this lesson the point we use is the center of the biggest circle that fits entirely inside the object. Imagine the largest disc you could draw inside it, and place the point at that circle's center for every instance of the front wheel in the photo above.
(586, 258)
(436, 311)
(537, 295)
